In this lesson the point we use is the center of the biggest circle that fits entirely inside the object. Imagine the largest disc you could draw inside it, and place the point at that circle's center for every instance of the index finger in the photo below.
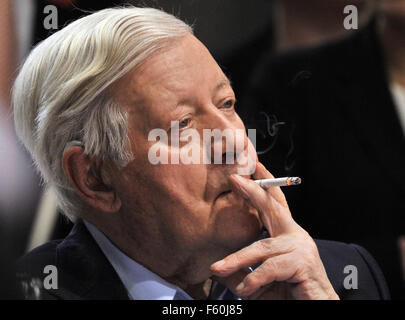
(262, 173)
(271, 204)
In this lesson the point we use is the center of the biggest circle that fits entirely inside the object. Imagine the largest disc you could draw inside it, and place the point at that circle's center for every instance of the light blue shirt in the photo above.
(141, 283)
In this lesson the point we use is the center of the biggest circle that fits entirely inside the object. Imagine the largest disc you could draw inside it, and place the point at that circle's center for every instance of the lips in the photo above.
(226, 189)
(224, 193)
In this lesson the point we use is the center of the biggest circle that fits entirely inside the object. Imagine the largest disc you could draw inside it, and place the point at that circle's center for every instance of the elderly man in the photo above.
(85, 103)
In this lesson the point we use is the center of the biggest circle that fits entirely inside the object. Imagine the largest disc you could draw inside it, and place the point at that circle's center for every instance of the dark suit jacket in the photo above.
(85, 273)
(330, 120)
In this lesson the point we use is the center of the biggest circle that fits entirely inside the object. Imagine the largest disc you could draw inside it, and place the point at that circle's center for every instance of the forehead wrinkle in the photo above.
(137, 96)
(132, 85)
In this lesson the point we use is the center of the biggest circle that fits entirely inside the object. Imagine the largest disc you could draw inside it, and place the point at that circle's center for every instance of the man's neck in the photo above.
(196, 283)
(189, 272)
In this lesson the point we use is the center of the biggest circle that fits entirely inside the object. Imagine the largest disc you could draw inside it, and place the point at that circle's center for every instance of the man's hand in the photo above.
(290, 266)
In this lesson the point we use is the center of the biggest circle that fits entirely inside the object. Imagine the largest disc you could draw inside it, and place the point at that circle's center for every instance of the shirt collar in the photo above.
(398, 95)
(141, 283)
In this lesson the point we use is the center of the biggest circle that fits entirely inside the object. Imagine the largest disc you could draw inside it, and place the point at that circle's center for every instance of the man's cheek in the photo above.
(191, 148)
(192, 179)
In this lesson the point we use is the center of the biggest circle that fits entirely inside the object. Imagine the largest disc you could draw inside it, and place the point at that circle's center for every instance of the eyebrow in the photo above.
(224, 83)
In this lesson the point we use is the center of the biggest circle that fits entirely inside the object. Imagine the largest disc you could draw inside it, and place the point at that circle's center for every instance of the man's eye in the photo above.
(184, 123)
(228, 104)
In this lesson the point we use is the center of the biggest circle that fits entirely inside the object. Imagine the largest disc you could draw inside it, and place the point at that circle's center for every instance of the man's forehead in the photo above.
(173, 79)
(143, 94)
(139, 103)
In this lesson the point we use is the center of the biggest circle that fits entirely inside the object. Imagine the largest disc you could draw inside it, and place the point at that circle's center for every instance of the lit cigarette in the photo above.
(278, 182)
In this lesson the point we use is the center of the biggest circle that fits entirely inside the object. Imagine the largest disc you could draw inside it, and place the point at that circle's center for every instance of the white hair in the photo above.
(62, 92)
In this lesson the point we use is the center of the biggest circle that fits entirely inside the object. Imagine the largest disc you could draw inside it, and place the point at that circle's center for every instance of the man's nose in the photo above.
(227, 139)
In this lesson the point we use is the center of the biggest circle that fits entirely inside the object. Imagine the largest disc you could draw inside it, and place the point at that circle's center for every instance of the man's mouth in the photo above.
(224, 193)
(228, 191)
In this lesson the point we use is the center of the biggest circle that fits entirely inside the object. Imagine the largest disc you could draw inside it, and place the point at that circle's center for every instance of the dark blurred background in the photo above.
(328, 103)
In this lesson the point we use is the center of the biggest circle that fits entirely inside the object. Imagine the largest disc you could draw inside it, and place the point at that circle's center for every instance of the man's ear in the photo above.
(88, 183)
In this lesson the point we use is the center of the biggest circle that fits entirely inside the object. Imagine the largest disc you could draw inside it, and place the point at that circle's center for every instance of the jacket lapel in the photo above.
(84, 271)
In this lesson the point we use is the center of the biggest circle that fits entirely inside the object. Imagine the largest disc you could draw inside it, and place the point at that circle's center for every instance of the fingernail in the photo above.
(240, 286)
(218, 264)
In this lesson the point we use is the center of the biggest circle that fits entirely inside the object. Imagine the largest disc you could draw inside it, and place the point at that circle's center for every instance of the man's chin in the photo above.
(238, 229)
